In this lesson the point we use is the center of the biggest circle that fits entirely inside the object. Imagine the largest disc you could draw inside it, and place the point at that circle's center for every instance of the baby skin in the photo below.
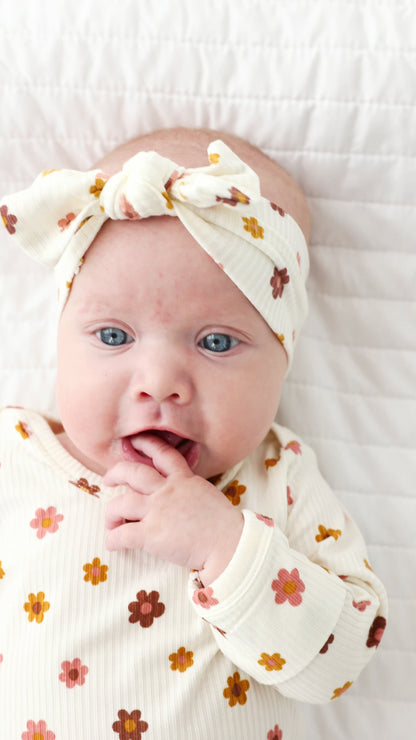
(167, 375)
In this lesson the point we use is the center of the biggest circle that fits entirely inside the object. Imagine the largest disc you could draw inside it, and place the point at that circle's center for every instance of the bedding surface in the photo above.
(327, 88)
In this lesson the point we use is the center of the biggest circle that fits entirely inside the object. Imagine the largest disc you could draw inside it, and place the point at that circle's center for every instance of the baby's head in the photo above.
(155, 334)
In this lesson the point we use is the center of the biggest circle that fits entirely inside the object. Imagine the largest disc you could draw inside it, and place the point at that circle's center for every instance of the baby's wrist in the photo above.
(221, 556)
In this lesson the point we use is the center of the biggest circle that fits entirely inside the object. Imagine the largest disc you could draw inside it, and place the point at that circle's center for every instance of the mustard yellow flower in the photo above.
(272, 662)
(95, 572)
(36, 607)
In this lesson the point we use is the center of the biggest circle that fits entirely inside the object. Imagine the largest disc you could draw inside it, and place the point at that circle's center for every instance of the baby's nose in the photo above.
(163, 377)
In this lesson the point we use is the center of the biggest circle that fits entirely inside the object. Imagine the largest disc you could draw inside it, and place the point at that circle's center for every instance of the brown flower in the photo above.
(130, 726)
(376, 632)
(279, 279)
(83, 484)
(236, 197)
(329, 642)
(146, 608)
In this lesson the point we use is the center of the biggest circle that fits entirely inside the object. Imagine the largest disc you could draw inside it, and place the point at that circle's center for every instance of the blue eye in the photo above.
(113, 336)
(216, 342)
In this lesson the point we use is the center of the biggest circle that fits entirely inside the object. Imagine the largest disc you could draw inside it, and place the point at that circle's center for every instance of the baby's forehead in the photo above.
(156, 265)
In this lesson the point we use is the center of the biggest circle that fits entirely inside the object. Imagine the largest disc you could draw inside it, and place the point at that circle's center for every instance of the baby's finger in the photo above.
(165, 458)
(129, 506)
(125, 537)
(142, 478)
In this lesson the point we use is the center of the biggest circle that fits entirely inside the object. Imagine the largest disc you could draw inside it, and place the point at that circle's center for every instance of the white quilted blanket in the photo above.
(327, 87)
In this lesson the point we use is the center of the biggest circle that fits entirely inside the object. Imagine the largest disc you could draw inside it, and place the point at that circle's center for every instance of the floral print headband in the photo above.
(260, 247)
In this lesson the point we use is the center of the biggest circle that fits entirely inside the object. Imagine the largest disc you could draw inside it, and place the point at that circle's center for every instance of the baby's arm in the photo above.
(296, 606)
(298, 609)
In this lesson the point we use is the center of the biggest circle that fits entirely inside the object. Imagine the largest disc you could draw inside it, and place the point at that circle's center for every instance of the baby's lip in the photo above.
(188, 448)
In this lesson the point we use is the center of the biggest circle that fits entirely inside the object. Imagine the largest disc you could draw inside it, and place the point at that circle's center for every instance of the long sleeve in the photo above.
(298, 607)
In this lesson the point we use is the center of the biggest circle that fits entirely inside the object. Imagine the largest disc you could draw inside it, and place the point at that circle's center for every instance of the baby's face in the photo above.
(155, 336)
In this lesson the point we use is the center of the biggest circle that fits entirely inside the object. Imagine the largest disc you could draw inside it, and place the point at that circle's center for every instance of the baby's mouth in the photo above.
(132, 452)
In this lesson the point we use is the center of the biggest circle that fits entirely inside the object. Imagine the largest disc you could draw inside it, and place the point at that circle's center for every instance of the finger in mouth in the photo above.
(188, 448)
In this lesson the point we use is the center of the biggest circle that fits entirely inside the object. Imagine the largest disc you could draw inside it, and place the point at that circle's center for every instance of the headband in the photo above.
(259, 246)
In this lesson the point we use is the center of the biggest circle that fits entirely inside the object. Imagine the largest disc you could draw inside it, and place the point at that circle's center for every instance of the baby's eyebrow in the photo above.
(92, 307)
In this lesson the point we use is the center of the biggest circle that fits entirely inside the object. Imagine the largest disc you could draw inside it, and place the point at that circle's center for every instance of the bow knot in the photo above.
(141, 188)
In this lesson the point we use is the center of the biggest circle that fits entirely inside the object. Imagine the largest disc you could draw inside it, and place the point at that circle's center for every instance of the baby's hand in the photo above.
(172, 513)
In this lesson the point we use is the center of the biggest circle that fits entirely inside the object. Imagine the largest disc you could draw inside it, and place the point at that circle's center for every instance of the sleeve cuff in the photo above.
(271, 599)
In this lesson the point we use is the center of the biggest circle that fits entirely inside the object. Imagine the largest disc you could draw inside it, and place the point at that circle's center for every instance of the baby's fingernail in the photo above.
(193, 455)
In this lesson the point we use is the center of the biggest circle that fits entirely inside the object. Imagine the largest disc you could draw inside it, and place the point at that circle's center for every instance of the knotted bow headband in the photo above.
(260, 248)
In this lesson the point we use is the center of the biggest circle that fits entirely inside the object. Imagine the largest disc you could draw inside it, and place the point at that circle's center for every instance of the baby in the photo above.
(172, 562)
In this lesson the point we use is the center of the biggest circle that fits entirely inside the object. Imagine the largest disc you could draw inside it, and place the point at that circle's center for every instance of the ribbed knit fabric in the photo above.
(97, 645)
